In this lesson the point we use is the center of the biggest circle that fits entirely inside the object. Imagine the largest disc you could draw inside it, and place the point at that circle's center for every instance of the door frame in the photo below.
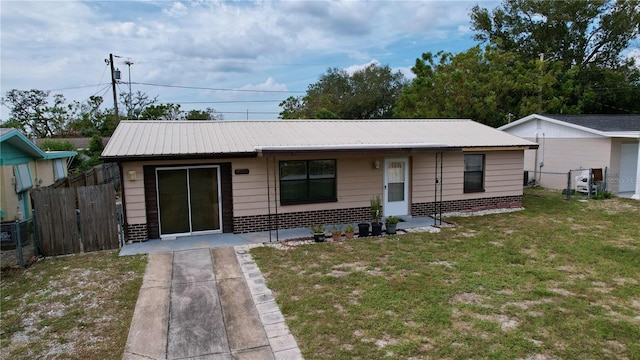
(191, 232)
(629, 153)
(404, 207)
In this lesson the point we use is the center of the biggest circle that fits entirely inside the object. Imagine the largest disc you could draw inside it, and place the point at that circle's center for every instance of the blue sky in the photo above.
(268, 50)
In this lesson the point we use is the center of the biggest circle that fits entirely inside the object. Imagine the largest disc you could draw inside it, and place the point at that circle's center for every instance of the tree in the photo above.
(483, 85)
(32, 113)
(370, 93)
(573, 32)
(136, 103)
(87, 118)
(161, 112)
(208, 114)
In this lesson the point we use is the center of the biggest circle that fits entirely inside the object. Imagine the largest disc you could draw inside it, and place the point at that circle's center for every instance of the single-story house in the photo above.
(190, 177)
(573, 142)
(24, 166)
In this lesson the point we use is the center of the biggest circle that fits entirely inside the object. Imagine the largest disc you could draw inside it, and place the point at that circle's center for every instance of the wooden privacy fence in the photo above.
(64, 229)
(100, 174)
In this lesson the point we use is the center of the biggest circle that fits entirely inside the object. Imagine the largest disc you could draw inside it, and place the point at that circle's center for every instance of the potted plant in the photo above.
(336, 233)
(390, 223)
(363, 229)
(376, 215)
(318, 233)
(349, 231)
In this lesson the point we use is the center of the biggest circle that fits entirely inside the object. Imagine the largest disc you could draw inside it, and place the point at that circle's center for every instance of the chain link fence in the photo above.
(18, 243)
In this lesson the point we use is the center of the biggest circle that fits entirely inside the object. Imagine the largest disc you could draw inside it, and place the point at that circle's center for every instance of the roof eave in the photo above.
(147, 157)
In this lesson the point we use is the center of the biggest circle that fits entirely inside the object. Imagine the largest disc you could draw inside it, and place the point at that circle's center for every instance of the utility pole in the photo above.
(129, 63)
(113, 86)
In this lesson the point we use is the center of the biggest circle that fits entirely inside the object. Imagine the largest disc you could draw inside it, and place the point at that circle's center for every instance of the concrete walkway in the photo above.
(207, 304)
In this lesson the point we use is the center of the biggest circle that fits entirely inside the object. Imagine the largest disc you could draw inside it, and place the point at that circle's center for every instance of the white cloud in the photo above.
(221, 44)
(177, 9)
(268, 85)
(354, 68)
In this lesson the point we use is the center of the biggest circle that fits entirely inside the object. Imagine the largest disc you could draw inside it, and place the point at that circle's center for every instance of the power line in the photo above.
(222, 61)
(217, 89)
(78, 87)
(224, 102)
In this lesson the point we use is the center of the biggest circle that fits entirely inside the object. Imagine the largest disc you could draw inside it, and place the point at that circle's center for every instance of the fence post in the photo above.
(19, 243)
(120, 224)
(569, 185)
(36, 246)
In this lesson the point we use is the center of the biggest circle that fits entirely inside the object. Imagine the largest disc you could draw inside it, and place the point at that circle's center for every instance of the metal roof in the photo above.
(153, 139)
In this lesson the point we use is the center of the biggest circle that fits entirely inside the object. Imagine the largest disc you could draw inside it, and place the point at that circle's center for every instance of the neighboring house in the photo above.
(24, 166)
(571, 142)
(190, 177)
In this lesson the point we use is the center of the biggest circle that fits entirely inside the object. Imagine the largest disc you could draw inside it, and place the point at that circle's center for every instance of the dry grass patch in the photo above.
(522, 285)
(70, 307)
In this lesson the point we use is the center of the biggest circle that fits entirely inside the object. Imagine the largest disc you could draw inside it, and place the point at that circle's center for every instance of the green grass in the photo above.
(69, 307)
(560, 279)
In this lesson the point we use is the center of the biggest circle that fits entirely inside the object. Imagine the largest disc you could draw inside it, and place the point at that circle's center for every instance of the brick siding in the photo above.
(426, 209)
(245, 224)
(137, 232)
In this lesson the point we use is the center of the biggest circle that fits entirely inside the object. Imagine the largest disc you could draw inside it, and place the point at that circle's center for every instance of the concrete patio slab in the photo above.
(211, 241)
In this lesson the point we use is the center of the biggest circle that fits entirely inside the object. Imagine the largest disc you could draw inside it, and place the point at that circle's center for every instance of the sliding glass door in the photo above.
(189, 200)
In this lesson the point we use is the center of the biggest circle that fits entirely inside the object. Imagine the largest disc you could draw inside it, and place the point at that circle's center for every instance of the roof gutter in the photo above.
(270, 150)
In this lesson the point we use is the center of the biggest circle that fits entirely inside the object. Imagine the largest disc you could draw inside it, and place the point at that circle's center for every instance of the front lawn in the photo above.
(560, 280)
(69, 307)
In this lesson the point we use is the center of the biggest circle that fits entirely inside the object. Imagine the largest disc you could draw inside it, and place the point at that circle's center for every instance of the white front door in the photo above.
(396, 186)
(628, 167)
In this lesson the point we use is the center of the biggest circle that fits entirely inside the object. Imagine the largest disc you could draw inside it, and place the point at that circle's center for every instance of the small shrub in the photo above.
(603, 195)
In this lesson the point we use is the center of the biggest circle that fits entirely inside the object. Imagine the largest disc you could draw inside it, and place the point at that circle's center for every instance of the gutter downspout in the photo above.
(275, 198)
(535, 162)
(268, 201)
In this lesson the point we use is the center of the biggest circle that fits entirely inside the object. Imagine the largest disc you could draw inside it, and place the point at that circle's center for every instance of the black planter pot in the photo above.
(363, 229)
(318, 237)
(376, 229)
(391, 229)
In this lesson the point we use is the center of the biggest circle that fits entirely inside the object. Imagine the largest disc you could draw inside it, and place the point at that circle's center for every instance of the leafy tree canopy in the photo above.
(573, 32)
(34, 113)
(370, 93)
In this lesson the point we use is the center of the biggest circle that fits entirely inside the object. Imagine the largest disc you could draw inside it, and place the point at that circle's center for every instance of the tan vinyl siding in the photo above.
(561, 155)
(250, 190)
(357, 182)
(134, 193)
(503, 176)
